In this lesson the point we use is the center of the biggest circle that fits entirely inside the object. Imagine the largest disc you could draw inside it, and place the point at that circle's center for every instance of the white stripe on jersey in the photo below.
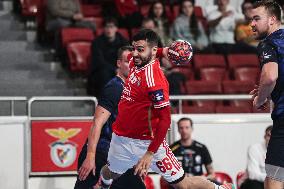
(162, 105)
(149, 76)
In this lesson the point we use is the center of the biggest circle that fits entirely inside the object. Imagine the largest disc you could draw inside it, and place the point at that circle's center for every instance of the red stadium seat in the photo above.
(222, 177)
(76, 35)
(30, 7)
(212, 74)
(186, 71)
(247, 103)
(124, 33)
(198, 12)
(232, 109)
(241, 177)
(149, 183)
(176, 11)
(144, 9)
(79, 56)
(242, 60)
(209, 60)
(237, 87)
(203, 87)
(247, 74)
(91, 10)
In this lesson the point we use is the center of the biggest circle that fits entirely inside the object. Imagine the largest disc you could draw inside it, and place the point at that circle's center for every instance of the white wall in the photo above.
(12, 152)
(227, 137)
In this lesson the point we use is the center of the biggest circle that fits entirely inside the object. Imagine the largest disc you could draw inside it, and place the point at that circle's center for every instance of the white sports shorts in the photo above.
(125, 152)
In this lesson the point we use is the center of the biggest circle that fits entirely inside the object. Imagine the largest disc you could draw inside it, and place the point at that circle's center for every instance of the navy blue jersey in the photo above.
(109, 100)
(271, 49)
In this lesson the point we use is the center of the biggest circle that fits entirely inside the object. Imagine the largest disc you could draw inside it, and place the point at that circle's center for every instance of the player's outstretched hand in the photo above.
(87, 166)
(141, 168)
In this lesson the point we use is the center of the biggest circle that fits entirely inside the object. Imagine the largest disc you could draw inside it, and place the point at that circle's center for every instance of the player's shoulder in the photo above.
(198, 144)
(176, 145)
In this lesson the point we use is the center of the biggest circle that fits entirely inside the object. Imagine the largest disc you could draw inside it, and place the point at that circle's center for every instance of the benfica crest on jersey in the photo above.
(63, 152)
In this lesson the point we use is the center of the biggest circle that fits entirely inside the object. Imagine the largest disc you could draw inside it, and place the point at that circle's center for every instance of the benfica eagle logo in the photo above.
(63, 152)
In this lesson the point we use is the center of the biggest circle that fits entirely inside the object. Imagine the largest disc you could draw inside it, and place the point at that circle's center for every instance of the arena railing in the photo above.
(12, 100)
(181, 98)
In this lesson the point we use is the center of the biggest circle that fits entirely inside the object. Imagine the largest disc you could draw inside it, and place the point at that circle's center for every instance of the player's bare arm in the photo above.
(100, 117)
(210, 171)
(144, 163)
(268, 77)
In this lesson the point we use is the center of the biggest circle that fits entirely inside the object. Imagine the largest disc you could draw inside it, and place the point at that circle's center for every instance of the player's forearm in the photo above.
(100, 118)
(162, 128)
(93, 138)
(266, 87)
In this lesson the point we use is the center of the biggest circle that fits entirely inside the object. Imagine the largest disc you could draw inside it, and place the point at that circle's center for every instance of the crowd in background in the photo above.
(211, 26)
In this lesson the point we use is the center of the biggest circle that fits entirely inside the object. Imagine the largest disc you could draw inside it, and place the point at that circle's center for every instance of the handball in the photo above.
(180, 52)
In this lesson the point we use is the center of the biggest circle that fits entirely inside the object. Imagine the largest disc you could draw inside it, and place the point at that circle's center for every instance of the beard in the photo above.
(261, 36)
(144, 60)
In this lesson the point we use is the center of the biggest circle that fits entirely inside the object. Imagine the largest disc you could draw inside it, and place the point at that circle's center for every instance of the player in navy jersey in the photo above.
(266, 22)
(94, 153)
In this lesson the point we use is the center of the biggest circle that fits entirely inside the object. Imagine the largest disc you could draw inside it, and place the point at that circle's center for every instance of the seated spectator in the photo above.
(157, 12)
(61, 14)
(244, 35)
(65, 13)
(222, 20)
(104, 55)
(187, 27)
(256, 163)
(129, 15)
(148, 23)
(192, 154)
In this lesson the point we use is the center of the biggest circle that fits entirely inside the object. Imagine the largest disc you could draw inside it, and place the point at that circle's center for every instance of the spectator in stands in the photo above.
(148, 23)
(61, 14)
(192, 154)
(129, 15)
(157, 12)
(222, 20)
(104, 55)
(243, 33)
(187, 27)
(256, 163)
(65, 13)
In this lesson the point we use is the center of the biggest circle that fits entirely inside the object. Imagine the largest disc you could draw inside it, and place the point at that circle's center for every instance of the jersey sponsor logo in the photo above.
(266, 55)
(63, 151)
(157, 96)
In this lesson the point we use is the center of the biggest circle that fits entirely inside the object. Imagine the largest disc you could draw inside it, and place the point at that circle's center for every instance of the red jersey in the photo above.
(145, 90)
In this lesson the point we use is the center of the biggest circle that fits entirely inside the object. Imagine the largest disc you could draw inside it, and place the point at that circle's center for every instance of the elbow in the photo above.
(270, 80)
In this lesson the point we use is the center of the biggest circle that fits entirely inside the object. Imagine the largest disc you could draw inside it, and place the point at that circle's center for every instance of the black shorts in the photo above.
(91, 180)
(275, 150)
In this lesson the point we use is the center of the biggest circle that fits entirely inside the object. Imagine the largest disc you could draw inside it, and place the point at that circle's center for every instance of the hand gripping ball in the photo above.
(180, 52)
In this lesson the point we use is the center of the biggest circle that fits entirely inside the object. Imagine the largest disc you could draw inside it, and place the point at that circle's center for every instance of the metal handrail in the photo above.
(180, 98)
(12, 100)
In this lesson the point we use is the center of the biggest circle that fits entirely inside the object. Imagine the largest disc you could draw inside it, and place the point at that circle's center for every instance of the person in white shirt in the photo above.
(256, 163)
(222, 19)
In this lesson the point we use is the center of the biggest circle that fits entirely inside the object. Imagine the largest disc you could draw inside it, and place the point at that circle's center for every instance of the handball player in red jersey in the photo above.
(138, 138)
